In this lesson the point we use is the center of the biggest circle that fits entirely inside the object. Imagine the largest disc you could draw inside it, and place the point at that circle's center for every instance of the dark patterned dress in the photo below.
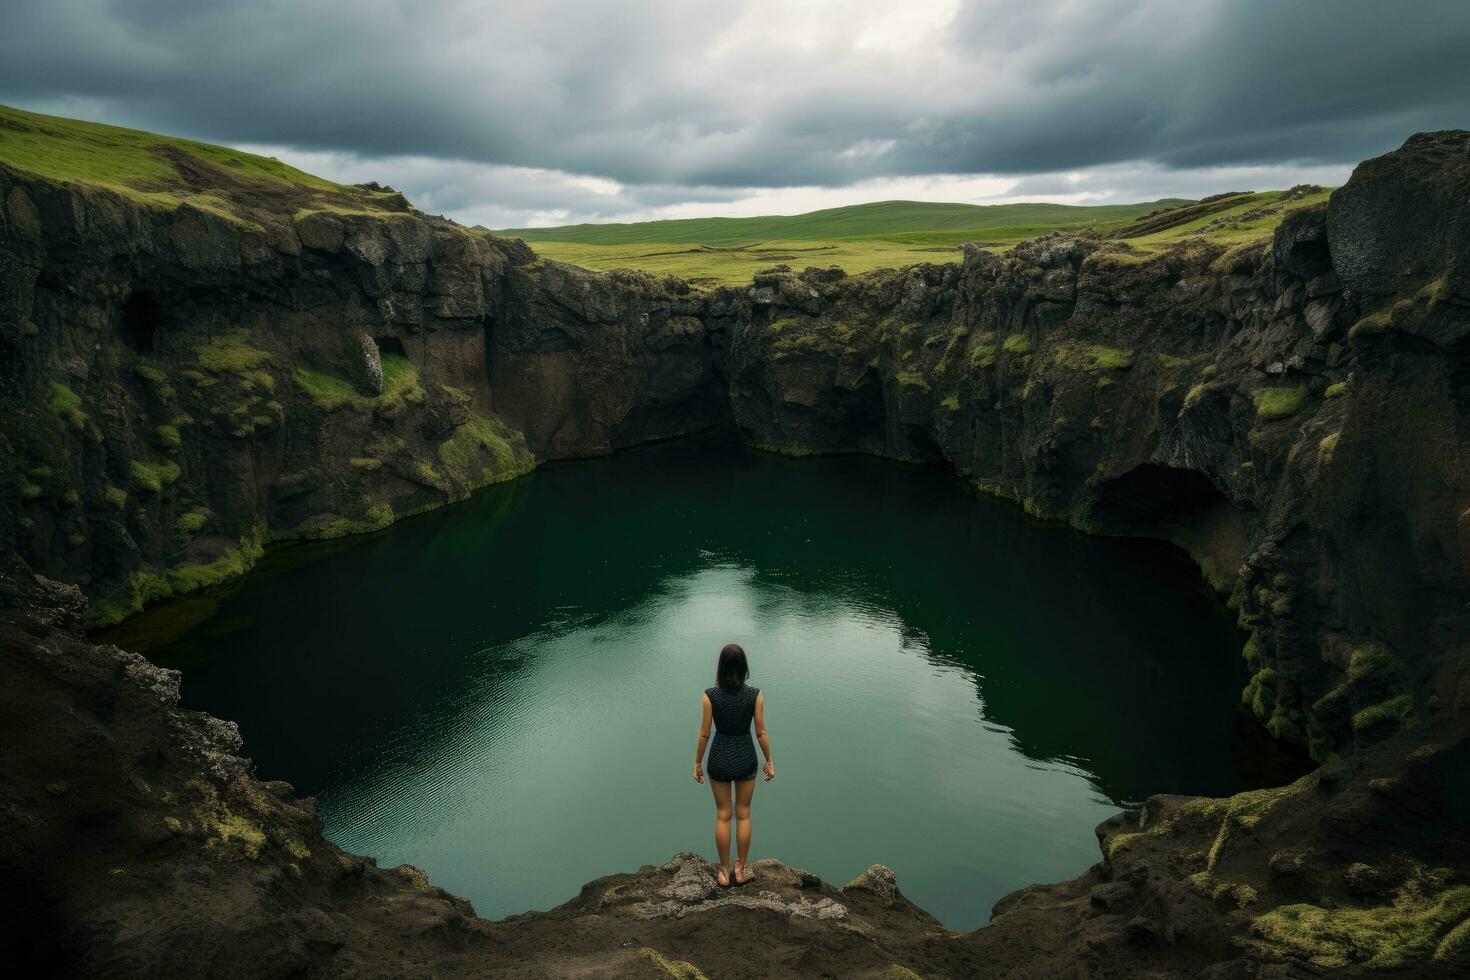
(732, 753)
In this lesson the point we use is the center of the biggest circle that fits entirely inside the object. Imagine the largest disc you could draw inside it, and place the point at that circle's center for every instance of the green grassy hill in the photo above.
(858, 238)
(880, 220)
(164, 171)
(897, 233)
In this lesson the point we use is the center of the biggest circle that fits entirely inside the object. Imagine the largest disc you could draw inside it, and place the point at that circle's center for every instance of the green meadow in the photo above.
(858, 238)
(126, 159)
(164, 171)
(880, 220)
(889, 234)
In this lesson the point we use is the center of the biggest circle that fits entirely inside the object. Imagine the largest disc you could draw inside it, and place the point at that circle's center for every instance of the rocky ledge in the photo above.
(137, 842)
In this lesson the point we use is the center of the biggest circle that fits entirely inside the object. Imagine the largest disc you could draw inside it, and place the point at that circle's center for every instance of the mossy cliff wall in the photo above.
(1295, 414)
(181, 387)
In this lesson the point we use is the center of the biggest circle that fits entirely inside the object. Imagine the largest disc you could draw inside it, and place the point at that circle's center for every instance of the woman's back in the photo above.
(731, 707)
(734, 710)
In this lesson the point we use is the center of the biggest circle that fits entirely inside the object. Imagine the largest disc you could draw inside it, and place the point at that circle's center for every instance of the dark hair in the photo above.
(733, 670)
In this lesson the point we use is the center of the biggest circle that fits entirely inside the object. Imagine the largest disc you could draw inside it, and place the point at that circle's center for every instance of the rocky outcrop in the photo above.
(181, 387)
(138, 843)
(1298, 431)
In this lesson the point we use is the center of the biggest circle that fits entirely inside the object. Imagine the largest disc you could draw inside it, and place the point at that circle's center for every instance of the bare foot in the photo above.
(740, 876)
(722, 877)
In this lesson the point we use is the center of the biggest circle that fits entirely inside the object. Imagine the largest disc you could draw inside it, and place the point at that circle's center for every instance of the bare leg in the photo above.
(722, 825)
(744, 792)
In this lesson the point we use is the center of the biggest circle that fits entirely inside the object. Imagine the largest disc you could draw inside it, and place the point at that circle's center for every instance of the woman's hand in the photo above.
(770, 770)
(698, 773)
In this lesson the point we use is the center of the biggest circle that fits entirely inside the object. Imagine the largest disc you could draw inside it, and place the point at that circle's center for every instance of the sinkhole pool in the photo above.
(506, 692)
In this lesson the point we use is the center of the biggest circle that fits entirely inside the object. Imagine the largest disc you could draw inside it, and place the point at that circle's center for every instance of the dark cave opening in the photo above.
(139, 328)
(1311, 256)
(390, 345)
(1182, 506)
(1151, 495)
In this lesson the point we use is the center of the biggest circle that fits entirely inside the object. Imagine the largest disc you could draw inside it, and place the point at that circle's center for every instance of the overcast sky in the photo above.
(555, 111)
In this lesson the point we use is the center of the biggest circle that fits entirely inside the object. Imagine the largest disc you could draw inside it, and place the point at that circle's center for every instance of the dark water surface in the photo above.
(505, 692)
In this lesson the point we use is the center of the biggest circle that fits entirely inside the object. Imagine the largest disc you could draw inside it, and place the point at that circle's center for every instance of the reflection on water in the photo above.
(506, 692)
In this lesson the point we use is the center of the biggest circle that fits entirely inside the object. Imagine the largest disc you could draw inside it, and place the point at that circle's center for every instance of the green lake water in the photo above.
(506, 692)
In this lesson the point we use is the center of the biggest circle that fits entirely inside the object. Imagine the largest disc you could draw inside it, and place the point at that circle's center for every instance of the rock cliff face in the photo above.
(1300, 432)
(183, 386)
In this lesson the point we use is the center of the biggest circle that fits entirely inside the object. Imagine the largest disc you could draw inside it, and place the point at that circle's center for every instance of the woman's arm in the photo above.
(704, 723)
(762, 736)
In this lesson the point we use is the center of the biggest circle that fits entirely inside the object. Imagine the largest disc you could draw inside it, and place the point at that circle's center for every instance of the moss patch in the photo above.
(192, 521)
(1018, 344)
(483, 451)
(1371, 324)
(1414, 926)
(1091, 357)
(66, 404)
(223, 828)
(983, 355)
(168, 436)
(1373, 663)
(325, 527)
(153, 477)
(1279, 403)
(1455, 943)
(401, 379)
(1245, 808)
(678, 969)
(149, 587)
(329, 392)
(230, 355)
(1260, 693)
(1396, 711)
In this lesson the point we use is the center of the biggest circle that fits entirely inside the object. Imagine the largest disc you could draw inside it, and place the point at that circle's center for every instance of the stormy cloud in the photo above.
(567, 109)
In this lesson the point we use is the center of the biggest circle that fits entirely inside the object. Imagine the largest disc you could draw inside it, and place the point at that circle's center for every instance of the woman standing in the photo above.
(732, 704)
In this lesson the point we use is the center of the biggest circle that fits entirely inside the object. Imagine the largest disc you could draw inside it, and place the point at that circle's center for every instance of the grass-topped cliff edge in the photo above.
(166, 172)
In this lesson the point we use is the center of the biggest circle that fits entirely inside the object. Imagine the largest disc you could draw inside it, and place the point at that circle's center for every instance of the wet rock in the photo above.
(1323, 285)
(1112, 895)
(878, 881)
(320, 231)
(686, 884)
(1399, 221)
(1300, 244)
(1320, 315)
(372, 363)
